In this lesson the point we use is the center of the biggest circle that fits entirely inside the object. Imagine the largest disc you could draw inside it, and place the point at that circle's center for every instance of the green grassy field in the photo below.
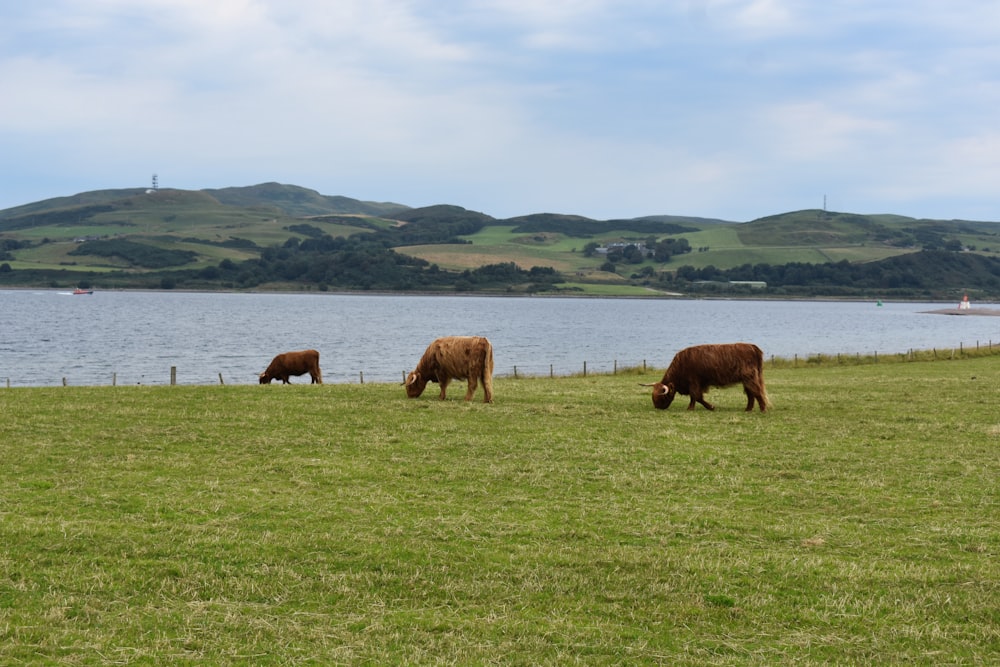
(569, 522)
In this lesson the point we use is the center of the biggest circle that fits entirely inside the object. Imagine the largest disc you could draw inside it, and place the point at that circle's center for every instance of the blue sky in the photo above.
(732, 109)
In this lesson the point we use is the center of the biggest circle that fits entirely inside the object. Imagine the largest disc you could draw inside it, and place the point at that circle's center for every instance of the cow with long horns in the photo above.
(695, 369)
(454, 358)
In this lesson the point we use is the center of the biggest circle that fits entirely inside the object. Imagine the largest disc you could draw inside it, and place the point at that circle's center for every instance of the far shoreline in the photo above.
(651, 295)
(965, 311)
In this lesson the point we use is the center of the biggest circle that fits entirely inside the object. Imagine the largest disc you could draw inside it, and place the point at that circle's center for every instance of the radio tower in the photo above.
(156, 183)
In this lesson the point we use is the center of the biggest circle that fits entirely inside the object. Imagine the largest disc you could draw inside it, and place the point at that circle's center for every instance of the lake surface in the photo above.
(136, 337)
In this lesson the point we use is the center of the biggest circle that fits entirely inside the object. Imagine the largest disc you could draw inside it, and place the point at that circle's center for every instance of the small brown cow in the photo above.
(454, 358)
(695, 369)
(293, 363)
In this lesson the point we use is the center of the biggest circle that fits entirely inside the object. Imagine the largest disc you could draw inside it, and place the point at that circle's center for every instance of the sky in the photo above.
(731, 109)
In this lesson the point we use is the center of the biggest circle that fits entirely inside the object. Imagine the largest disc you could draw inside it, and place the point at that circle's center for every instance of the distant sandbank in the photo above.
(964, 311)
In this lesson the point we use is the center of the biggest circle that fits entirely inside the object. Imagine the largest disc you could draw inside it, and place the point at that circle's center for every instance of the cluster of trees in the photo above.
(661, 251)
(342, 262)
(576, 226)
(7, 245)
(506, 274)
(361, 262)
(665, 250)
(928, 272)
(432, 225)
(136, 254)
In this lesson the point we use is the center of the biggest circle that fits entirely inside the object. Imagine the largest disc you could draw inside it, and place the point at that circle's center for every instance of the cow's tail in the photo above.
(487, 378)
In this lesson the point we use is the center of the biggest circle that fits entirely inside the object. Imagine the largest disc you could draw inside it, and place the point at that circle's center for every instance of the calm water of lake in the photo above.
(135, 337)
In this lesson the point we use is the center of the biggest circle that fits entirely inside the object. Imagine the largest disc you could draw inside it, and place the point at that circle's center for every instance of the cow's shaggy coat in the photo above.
(695, 369)
(293, 363)
(454, 358)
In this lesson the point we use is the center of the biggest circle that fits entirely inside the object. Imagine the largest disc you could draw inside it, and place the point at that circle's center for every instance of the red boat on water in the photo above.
(80, 290)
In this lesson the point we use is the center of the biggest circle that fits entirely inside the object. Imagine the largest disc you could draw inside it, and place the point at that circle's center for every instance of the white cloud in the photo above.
(812, 131)
(509, 103)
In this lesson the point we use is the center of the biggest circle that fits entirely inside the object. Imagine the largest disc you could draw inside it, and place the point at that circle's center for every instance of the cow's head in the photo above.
(663, 395)
(264, 378)
(415, 384)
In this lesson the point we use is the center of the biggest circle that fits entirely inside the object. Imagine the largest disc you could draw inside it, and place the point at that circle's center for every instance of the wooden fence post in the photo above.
(173, 375)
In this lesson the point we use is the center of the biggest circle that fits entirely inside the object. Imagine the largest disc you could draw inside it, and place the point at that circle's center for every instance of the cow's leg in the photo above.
(470, 392)
(698, 396)
(487, 390)
(755, 396)
(443, 381)
(755, 392)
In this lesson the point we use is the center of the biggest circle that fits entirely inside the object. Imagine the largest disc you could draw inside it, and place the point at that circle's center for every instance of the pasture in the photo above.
(569, 522)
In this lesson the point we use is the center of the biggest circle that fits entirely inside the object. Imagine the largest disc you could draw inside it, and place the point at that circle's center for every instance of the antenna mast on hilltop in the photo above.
(156, 182)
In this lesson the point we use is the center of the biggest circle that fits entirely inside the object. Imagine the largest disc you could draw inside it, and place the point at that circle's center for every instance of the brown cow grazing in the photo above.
(695, 369)
(293, 363)
(454, 358)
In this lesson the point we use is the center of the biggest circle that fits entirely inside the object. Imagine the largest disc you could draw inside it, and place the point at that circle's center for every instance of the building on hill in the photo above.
(621, 246)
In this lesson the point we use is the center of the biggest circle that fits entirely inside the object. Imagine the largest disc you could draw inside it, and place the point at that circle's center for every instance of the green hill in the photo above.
(282, 237)
(300, 202)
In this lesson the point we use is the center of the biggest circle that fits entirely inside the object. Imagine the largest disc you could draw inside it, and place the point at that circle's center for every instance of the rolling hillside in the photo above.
(132, 232)
(214, 224)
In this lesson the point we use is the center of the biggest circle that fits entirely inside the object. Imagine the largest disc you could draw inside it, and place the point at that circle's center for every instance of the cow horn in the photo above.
(645, 384)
